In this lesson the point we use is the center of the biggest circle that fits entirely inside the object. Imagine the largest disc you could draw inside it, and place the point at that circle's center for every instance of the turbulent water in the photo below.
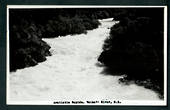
(71, 73)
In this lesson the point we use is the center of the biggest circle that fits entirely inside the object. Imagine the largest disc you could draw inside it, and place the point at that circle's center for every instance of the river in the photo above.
(71, 73)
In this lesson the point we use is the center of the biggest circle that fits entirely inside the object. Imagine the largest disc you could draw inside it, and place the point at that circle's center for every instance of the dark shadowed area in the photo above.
(135, 46)
(29, 26)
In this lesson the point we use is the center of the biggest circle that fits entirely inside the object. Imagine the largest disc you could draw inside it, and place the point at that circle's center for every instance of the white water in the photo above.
(71, 73)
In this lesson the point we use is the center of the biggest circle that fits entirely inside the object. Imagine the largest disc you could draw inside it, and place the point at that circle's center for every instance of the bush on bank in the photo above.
(29, 26)
(135, 46)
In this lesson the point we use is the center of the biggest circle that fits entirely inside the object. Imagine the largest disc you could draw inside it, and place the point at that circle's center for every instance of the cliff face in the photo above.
(135, 45)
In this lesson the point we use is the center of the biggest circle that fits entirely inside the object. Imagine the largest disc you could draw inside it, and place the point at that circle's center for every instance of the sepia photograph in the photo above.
(86, 55)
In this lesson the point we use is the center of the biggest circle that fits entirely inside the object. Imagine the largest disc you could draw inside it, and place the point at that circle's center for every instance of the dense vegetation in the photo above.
(135, 47)
(29, 26)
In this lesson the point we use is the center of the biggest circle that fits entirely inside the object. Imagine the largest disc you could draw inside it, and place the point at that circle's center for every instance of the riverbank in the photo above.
(71, 73)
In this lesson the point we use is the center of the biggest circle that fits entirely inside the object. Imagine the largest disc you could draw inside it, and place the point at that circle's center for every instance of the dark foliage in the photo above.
(135, 45)
(64, 26)
(26, 47)
(29, 26)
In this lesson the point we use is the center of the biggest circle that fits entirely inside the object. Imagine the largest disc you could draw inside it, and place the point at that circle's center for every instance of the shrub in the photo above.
(64, 26)
(26, 48)
(135, 46)
(29, 26)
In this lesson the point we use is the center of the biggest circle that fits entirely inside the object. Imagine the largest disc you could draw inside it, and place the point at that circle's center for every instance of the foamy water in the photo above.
(71, 73)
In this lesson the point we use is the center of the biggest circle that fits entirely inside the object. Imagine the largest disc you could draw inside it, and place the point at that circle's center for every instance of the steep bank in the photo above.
(135, 47)
(27, 27)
